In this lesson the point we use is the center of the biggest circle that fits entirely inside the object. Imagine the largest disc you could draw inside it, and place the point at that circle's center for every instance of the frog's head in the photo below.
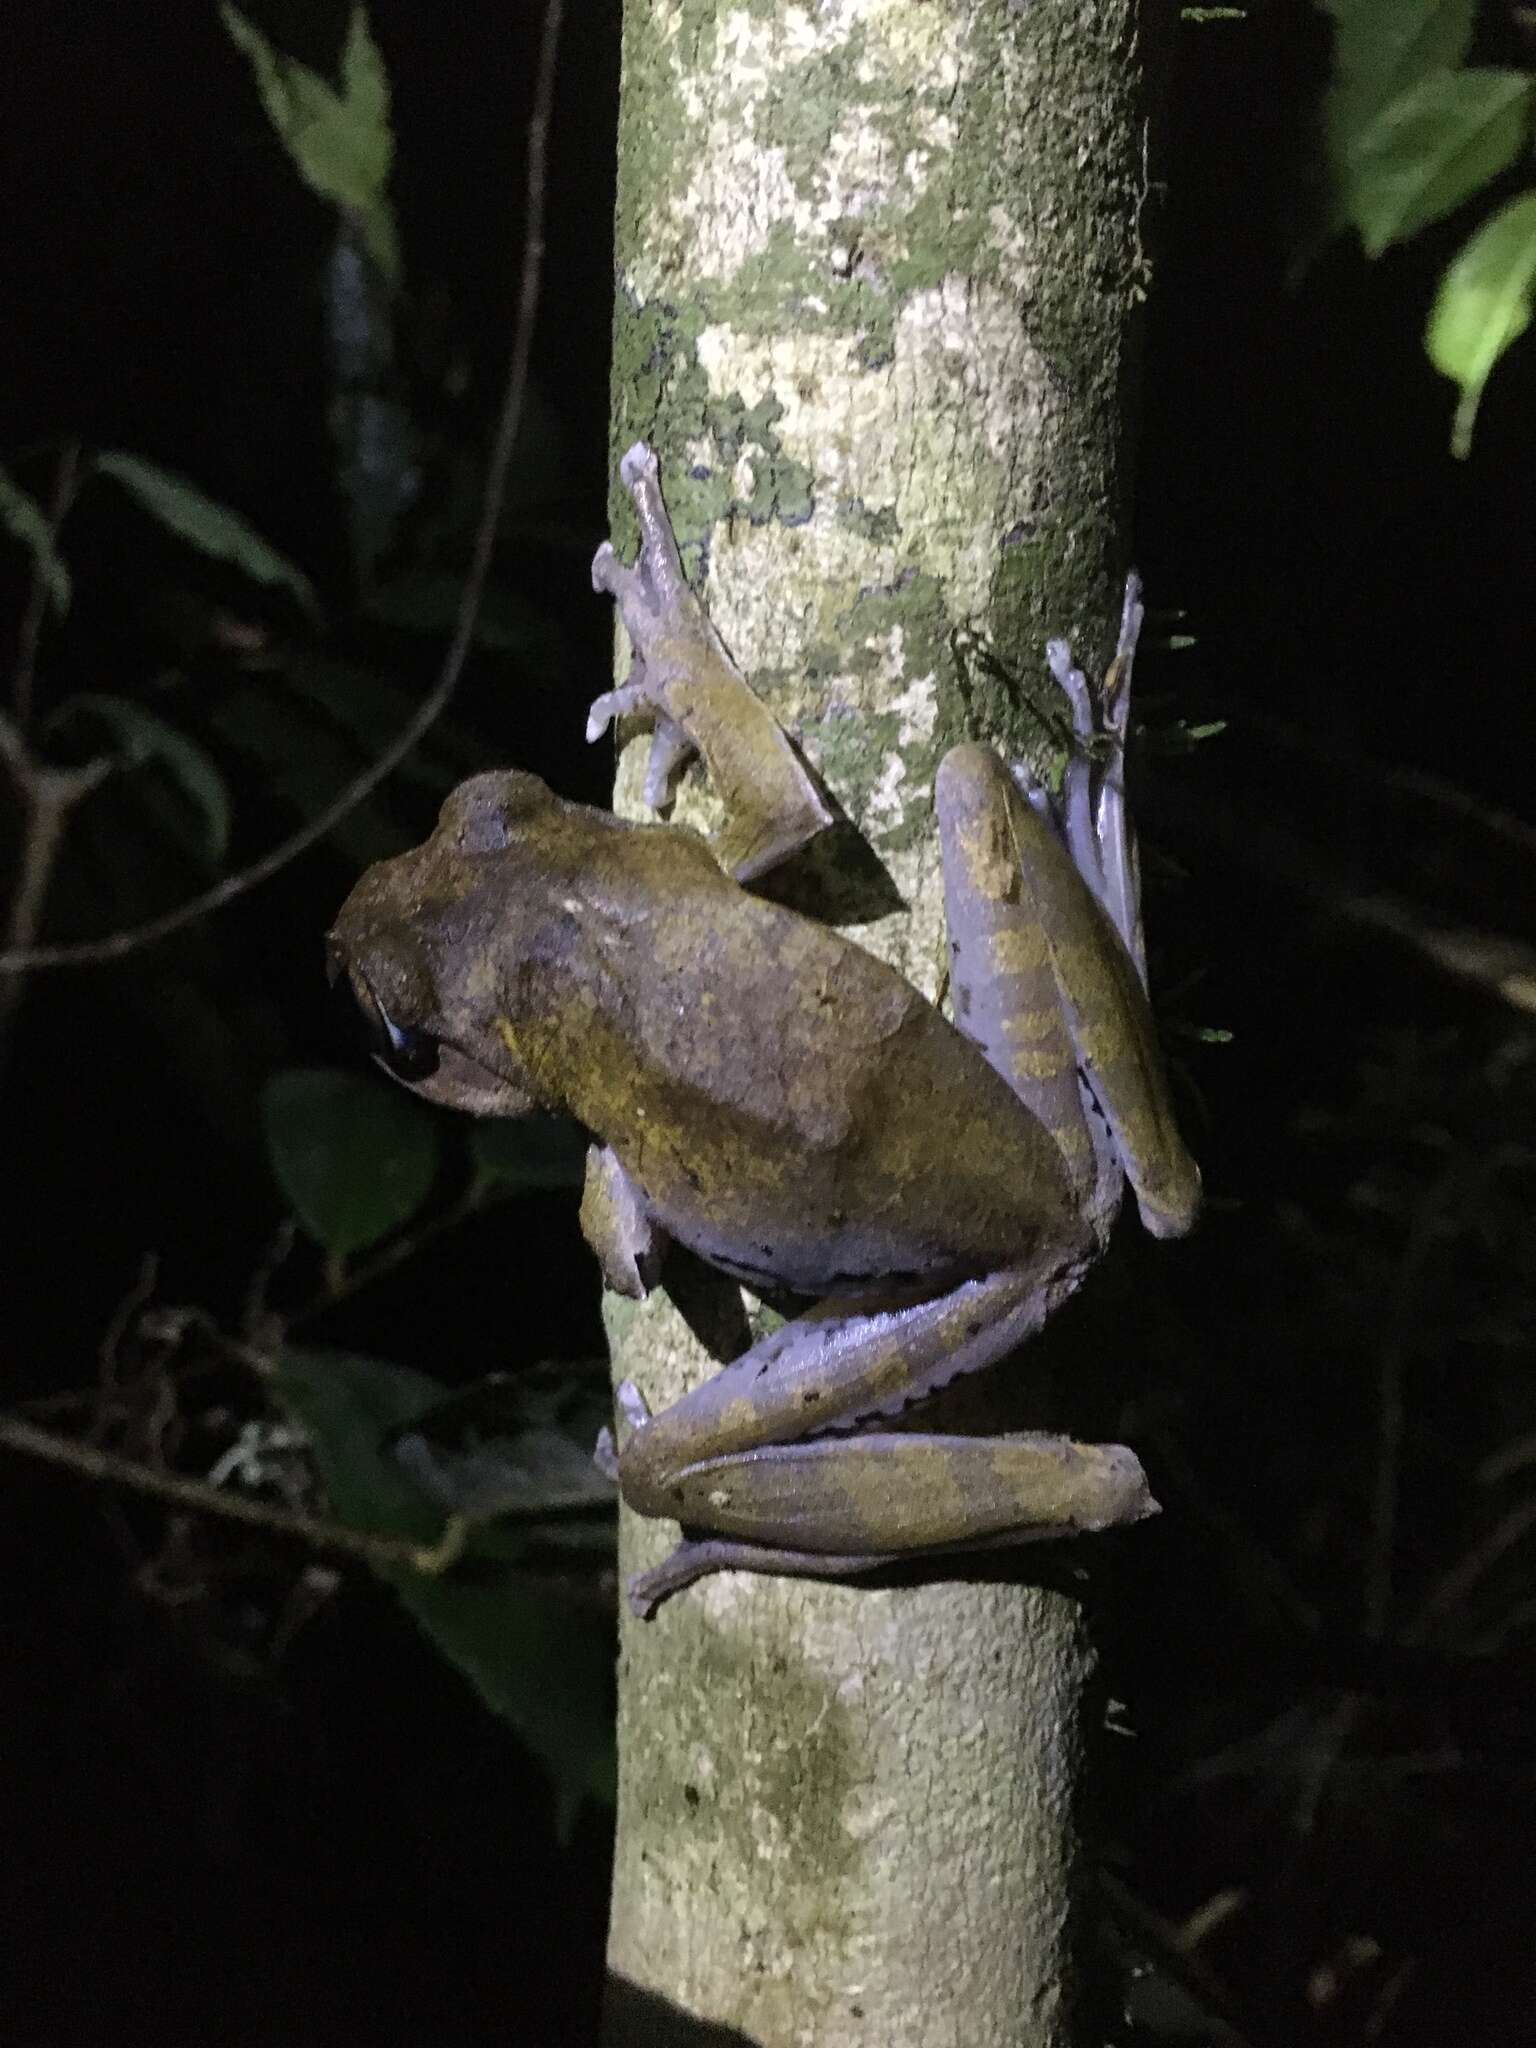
(421, 944)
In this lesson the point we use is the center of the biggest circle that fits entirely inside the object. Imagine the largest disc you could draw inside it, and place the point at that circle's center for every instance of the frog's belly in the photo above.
(831, 1263)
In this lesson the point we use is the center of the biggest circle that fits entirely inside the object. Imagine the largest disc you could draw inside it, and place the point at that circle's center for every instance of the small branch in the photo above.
(1510, 1458)
(1493, 962)
(1255, 1569)
(1386, 1485)
(1172, 1950)
(24, 675)
(348, 1280)
(1452, 1193)
(21, 958)
(48, 795)
(1415, 782)
(320, 1534)
(1453, 1590)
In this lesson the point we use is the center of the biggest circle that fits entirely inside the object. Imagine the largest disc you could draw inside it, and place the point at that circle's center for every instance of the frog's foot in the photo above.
(652, 597)
(617, 1223)
(613, 705)
(655, 589)
(610, 576)
(633, 1410)
(696, 1557)
(1099, 715)
(1074, 686)
(632, 1404)
(684, 683)
(671, 748)
(659, 568)
(1092, 817)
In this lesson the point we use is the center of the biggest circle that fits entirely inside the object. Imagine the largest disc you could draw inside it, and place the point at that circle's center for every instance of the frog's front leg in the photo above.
(617, 1223)
(734, 1464)
(697, 700)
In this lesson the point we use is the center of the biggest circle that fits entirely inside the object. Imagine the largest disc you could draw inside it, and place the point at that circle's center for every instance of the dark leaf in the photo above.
(355, 1159)
(540, 1665)
(530, 1151)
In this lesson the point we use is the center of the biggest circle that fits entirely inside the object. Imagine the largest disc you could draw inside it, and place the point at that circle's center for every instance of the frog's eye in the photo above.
(409, 1054)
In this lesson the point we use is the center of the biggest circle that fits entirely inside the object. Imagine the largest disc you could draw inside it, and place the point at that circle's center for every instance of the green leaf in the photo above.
(1382, 49)
(530, 1151)
(143, 736)
(210, 527)
(1430, 149)
(341, 144)
(354, 1158)
(365, 92)
(541, 1665)
(23, 519)
(1483, 304)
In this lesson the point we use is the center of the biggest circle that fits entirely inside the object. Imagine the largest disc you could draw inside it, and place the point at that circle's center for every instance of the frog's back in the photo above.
(794, 1111)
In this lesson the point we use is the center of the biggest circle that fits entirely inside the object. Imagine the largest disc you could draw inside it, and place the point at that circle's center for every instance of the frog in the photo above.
(925, 1190)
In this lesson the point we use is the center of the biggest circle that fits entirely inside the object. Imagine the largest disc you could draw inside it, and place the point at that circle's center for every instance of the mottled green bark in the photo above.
(876, 272)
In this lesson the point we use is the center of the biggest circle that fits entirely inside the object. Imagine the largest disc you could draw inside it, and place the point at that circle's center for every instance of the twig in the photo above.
(1254, 1568)
(16, 1434)
(108, 1352)
(1452, 1591)
(352, 1279)
(1416, 782)
(19, 959)
(1495, 963)
(1386, 1488)
(48, 795)
(1507, 1460)
(1491, 961)
(1165, 1946)
(24, 675)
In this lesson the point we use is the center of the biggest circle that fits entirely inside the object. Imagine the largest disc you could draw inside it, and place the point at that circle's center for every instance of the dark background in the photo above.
(220, 1824)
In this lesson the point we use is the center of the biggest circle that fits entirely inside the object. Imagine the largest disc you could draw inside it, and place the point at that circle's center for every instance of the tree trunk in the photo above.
(877, 267)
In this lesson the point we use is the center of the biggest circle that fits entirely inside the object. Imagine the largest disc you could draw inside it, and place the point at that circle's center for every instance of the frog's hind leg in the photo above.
(1093, 816)
(1046, 985)
(1007, 879)
(1071, 1489)
(833, 1506)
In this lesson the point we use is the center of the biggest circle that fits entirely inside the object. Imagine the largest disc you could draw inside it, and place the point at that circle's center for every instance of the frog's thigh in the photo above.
(1002, 969)
(1053, 991)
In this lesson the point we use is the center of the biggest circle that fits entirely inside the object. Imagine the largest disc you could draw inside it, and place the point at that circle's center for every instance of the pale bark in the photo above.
(877, 266)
